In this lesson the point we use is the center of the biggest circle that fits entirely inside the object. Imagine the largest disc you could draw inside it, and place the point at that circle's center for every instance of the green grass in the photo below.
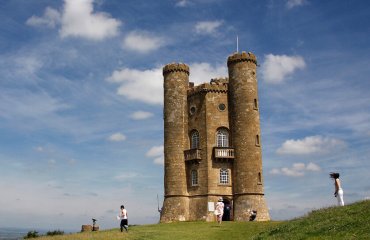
(349, 222)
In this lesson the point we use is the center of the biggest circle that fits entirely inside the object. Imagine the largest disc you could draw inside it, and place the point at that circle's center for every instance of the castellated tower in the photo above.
(212, 144)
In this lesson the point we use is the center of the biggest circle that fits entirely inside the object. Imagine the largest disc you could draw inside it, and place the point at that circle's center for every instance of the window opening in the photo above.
(195, 140)
(224, 176)
(194, 178)
(222, 138)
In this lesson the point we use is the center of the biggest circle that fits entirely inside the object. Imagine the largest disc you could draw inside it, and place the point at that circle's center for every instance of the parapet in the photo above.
(176, 67)
(241, 57)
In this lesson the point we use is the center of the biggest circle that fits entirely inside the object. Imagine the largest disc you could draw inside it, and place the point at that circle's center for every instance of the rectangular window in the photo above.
(224, 176)
(194, 178)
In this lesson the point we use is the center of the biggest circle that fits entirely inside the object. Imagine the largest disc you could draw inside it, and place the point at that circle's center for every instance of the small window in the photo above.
(194, 178)
(257, 140)
(221, 107)
(222, 138)
(224, 176)
(255, 104)
(259, 178)
(192, 110)
(194, 139)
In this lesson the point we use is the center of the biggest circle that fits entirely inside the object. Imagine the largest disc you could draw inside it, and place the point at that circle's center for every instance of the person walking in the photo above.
(219, 211)
(123, 217)
(338, 188)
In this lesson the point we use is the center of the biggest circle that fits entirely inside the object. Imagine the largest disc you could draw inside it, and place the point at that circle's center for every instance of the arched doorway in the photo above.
(228, 209)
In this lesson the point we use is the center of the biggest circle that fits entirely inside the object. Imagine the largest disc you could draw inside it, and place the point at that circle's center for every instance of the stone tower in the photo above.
(212, 144)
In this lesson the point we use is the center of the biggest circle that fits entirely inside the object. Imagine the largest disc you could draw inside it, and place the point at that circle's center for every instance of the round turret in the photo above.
(176, 82)
(245, 132)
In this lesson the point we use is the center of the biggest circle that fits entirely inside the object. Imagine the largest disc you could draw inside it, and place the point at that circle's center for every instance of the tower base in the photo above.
(175, 209)
(244, 204)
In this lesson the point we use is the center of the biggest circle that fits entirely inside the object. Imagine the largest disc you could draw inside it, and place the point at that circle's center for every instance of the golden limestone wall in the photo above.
(246, 136)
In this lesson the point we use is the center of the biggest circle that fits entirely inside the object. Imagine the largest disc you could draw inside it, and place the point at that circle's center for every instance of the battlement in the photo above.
(176, 67)
(218, 85)
(241, 57)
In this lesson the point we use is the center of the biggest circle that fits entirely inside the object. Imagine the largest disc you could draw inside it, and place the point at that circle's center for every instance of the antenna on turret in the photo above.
(237, 43)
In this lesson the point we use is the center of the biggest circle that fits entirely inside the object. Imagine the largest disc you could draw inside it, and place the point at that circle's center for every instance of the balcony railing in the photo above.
(192, 155)
(220, 152)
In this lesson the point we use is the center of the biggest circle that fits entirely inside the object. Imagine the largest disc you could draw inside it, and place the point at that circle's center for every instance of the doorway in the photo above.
(227, 210)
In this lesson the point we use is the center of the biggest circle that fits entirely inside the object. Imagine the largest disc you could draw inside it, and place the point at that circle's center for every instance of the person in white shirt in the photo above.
(123, 217)
(219, 211)
(338, 188)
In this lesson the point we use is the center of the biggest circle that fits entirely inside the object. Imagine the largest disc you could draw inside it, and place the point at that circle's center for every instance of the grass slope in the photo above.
(349, 222)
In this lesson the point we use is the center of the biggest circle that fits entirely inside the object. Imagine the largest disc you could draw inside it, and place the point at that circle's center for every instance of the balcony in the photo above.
(192, 155)
(223, 153)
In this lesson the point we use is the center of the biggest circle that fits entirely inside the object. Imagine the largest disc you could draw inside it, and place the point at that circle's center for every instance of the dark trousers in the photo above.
(124, 224)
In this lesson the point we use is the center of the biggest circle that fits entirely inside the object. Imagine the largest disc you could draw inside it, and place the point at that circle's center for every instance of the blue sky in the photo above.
(81, 127)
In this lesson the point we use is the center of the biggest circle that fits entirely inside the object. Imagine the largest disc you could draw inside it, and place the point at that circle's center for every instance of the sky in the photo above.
(81, 101)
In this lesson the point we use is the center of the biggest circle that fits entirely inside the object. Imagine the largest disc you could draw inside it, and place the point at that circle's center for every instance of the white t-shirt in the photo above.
(123, 214)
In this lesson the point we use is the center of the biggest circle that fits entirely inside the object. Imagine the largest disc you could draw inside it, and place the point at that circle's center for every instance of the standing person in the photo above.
(123, 217)
(338, 189)
(219, 211)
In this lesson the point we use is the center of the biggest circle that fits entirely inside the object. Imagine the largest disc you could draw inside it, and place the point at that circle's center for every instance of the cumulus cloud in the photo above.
(80, 20)
(157, 153)
(139, 85)
(207, 27)
(117, 137)
(142, 42)
(310, 145)
(276, 68)
(294, 3)
(140, 115)
(50, 19)
(147, 85)
(297, 169)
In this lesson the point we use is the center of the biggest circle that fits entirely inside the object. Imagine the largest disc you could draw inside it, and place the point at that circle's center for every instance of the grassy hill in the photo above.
(349, 222)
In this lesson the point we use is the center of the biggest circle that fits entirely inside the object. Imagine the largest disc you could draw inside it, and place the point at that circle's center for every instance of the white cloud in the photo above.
(117, 137)
(310, 145)
(140, 115)
(147, 85)
(50, 19)
(207, 27)
(142, 42)
(294, 3)
(297, 169)
(313, 167)
(155, 151)
(79, 20)
(182, 3)
(140, 85)
(276, 68)
(159, 161)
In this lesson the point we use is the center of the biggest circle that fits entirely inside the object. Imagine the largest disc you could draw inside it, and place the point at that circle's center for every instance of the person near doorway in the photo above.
(123, 217)
(338, 189)
(219, 211)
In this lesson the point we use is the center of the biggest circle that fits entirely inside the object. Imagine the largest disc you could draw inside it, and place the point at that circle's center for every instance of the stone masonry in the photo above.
(212, 144)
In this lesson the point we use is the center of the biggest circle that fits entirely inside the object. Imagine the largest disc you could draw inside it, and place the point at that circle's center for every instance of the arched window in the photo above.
(222, 139)
(224, 176)
(194, 178)
(194, 139)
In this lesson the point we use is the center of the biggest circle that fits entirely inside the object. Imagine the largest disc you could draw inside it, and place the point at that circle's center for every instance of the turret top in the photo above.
(176, 67)
(241, 57)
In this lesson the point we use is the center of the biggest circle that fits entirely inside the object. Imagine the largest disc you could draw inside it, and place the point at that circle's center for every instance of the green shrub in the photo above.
(31, 234)
(54, 233)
